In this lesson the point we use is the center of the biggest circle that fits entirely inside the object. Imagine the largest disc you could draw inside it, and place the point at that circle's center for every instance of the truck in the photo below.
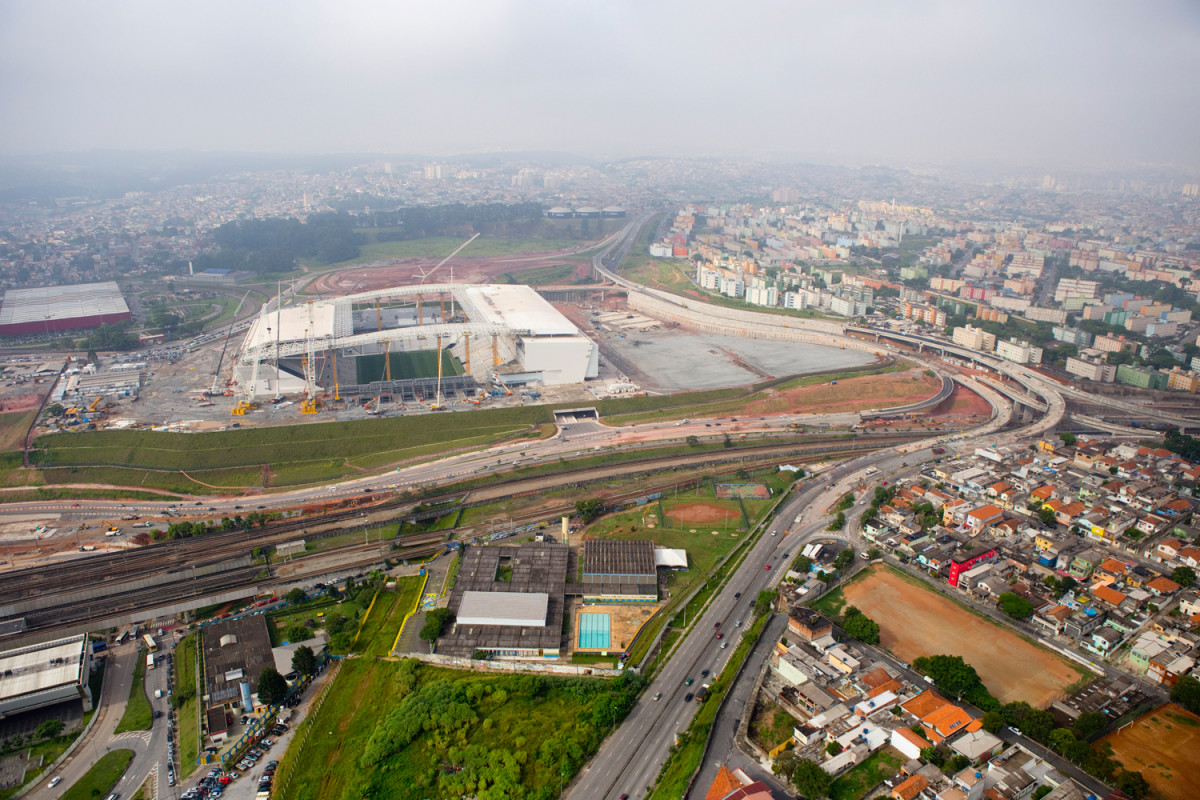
(937, 451)
(702, 693)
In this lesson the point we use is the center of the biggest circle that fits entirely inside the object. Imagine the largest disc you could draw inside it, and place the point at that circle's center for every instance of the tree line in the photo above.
(275, 244)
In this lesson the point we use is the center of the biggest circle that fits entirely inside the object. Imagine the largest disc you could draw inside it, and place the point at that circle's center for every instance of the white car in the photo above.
(55, 781)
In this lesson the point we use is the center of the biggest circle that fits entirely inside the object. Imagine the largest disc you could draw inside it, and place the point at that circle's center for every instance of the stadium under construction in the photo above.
(386, 344)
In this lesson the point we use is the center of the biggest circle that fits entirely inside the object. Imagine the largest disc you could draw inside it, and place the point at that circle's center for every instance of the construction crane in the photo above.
(425, 275)
(228, 333)
(95, 404)
(438, 401)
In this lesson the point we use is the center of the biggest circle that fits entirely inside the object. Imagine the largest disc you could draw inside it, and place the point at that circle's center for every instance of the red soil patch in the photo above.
(1164, 745)
(963, 402)
(850, 394)
(20, 402)
(702, 512)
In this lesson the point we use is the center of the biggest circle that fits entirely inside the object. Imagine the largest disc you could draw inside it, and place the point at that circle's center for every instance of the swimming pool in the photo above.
(594, 631)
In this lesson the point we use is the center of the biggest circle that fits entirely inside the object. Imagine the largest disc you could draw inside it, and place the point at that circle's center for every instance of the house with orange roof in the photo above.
(1110, 570)
(908, 743)
(910, 788)
(1168, 548)
(1042, 493)
(945, 722)
(1189, 555)
(1108, 595)
(725, 784)
(1163, 586)
(981, 517)
(924, 703)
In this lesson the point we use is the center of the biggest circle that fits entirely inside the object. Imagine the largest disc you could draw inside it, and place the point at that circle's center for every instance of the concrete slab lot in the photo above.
(915, 621)
(677, 359)
(1164, 746)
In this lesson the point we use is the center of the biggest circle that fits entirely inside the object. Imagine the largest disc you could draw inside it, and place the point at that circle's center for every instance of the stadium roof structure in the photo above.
(60, 308)
(497, 314)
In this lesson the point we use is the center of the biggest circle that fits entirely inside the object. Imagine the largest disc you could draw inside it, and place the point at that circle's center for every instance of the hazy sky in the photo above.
(902, 81)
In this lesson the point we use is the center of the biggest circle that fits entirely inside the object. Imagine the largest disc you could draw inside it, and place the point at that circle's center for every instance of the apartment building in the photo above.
(974, 338)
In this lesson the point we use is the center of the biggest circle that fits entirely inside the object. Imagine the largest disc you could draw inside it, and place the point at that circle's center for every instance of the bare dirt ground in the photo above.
(1164, 746)
(409, 270)
(701, 512)
(962, 402)
(850, 394)
(915, 621)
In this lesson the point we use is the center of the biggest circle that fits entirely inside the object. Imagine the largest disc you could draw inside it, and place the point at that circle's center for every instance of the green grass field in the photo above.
(854, 784)
(381, 626)
(138, 715)
(404, 731)
(296, 453)
(101, 778)
(406, 366)
(185, 687)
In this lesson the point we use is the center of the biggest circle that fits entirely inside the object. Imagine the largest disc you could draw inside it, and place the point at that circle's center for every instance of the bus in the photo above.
(149, 660)
(151, 645)
(124, 635)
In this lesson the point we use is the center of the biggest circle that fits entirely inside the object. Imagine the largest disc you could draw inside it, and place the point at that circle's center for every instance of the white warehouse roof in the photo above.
(668, 557)
(527, 610)
(520, 308)
(61, 302)
(41, 667)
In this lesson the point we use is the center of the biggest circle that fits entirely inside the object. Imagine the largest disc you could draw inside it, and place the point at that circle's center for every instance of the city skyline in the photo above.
(917, 85)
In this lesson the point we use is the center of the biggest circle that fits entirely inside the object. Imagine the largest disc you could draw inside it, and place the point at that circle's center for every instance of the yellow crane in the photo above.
(96, 403)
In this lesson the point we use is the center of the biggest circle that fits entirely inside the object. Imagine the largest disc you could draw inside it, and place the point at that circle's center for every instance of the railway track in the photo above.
(54, 596)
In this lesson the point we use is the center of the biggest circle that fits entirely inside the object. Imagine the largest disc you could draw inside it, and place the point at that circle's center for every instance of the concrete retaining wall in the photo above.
(549, 668)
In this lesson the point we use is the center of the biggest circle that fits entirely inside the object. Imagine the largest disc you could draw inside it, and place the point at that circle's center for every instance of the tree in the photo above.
(844, 559)
(802, 563)
(838, 523)
(296, 596)
(763, 603)
(833, 748)
(54, 409)
(693, 441)
(1068, 438)
(589, 509)
(1088, 725)
(1186, 692)
(435, 622)
(1047, 516)
(957, 764)
(1060, 740)
(48, 729)
(304, 660)
(860, 626)
(785, 764)
(1042, 791)
(810, 780)
(1184, 576)
(1015, 606)
(272, 688)
(297, 633)
(993, 721)
(933, 755)
(1133, 784)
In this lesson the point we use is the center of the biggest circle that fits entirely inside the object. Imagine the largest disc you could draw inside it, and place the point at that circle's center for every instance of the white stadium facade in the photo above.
(490, 333)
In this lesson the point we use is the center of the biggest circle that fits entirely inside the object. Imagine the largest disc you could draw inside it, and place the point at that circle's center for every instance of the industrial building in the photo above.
(420, 342)
(235, 653)
(508, 602)
(49, 309)
(616, 571)
(45, 674)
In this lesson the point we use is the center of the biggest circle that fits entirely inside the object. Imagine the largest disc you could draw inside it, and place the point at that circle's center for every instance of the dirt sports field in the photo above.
(915, 621)
(402, 272)
(850, 394)
(1164, 746)
(704, 512)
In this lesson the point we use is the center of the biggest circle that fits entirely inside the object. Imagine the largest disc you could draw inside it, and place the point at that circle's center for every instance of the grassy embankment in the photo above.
(138, 716)
(404, 731)
(102, 777)
(295, 455)
(187, 703)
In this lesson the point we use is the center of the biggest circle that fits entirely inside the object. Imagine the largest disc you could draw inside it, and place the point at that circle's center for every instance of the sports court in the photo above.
(594, 631)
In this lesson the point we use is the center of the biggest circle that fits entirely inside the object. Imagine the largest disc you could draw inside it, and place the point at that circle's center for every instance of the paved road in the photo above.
(149, 747)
